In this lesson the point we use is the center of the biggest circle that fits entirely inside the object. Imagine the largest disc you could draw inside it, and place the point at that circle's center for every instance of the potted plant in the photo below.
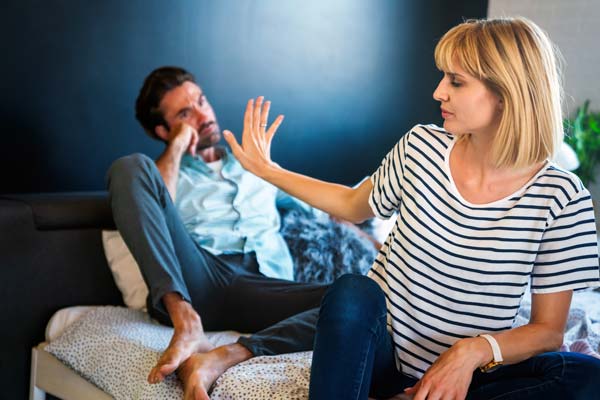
(583, 135)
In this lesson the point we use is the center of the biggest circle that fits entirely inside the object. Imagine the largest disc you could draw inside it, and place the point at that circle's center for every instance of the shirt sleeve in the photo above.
(387, 181)
(568, 254)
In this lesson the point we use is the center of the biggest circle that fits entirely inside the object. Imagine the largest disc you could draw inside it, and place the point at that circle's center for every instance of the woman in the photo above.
(481, 213)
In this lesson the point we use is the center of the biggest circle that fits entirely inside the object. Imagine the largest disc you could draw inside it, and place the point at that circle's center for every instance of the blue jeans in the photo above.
(354, 357)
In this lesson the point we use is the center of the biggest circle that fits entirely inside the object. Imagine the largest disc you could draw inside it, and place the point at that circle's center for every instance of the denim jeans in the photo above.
(227, 291)
(354, 358)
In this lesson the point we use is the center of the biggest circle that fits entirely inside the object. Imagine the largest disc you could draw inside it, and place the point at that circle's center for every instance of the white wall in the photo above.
(574, 26)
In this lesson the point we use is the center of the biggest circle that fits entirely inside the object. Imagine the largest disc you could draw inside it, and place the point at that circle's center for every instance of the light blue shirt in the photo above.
(235, 212)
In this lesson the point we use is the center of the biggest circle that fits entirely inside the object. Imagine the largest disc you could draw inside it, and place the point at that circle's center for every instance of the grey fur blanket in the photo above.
(323, 249)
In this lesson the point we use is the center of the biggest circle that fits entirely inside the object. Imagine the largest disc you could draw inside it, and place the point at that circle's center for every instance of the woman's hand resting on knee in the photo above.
(450, 375)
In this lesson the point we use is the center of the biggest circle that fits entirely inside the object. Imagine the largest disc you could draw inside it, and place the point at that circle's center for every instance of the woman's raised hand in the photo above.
(255, 151)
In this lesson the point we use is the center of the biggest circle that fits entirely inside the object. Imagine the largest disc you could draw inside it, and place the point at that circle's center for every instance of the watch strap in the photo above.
(497, 361)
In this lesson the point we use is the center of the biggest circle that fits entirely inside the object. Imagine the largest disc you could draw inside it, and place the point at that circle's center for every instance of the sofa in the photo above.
(52, 257)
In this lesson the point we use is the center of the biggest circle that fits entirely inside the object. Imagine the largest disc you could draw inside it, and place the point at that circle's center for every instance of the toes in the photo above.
(200, 393)
(160, 372)
(167, 369)
(155, 376)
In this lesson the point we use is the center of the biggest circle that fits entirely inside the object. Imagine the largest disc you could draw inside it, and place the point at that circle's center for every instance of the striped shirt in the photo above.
(451, 269)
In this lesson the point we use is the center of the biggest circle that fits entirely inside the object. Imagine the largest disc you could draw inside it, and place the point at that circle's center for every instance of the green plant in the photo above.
(583, 135)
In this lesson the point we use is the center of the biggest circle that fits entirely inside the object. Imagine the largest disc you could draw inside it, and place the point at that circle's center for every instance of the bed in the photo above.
(53, 258)
(59, 289)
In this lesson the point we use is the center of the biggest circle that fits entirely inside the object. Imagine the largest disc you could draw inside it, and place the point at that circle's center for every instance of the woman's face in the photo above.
(468, 106)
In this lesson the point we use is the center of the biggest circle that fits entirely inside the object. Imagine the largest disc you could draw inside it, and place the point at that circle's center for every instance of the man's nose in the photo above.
(199, 115)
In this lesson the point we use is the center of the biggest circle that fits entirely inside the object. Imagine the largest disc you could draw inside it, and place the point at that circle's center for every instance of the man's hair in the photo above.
(147, 104)
(515, 59)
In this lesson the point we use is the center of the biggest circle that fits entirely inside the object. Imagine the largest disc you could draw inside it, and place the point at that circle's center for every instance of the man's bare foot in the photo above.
(182, 346)
(201, 370)
(188, 337)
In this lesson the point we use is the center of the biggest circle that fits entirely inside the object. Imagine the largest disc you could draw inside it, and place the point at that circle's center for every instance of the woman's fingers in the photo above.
(256, 137)
(256, 121)
(273, 128)
(233, 143)
(264, 115)
(248, 114)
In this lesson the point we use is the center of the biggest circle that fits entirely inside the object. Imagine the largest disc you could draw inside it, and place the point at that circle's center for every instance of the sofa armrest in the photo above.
(51, 257)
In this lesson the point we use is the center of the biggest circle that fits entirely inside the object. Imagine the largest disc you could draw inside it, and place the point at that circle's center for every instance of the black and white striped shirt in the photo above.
(451, 269)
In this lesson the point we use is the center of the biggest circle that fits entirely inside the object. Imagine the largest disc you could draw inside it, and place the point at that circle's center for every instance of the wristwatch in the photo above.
(497, 361)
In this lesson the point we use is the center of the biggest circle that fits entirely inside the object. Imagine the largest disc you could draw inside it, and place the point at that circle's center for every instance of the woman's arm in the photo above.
(543, 333)
(451, 373)
(254, 154)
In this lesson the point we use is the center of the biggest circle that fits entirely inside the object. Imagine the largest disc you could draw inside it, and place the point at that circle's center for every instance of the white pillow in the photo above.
(125, 270)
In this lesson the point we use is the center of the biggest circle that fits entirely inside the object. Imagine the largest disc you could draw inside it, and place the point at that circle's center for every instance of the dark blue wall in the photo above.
(351, 76)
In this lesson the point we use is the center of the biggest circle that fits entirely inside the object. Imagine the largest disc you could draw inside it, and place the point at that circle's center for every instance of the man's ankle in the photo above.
(182, 314)
(236, 353)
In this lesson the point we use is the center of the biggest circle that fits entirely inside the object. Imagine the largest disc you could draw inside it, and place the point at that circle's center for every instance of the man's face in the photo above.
(187, 104)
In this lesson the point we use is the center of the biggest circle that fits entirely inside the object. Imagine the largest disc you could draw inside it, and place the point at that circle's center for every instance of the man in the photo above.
(205, 234)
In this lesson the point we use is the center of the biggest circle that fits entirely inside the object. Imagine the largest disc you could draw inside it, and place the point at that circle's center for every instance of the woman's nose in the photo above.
(440, 93)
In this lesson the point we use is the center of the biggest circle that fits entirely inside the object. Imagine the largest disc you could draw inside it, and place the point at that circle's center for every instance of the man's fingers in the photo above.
(193, 142)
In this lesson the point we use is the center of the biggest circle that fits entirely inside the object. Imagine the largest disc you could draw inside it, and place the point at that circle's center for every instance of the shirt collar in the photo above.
(197, 163)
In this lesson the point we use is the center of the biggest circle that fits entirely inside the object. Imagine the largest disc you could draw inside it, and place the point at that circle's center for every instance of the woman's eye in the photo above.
(455, 84)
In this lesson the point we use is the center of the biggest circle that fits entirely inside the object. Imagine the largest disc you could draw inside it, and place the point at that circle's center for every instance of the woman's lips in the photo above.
(446, 114)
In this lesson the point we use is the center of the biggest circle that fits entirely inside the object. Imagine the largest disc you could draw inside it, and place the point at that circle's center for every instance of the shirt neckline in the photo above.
(457, 193)
(199, 164)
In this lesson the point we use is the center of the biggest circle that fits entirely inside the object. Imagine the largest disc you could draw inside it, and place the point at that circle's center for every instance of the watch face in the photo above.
(491, 366)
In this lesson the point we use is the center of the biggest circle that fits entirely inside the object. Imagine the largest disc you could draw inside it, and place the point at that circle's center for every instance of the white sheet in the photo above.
(114, 348)
(65, 317)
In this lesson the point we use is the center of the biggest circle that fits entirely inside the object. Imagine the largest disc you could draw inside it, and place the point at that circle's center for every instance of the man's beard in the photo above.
(208, 141)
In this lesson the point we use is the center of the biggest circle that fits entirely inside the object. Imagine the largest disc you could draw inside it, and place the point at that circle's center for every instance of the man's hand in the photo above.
(182, 138)
(450, 375)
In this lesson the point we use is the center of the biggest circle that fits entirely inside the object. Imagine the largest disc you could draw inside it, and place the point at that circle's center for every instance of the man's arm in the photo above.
(182, 137)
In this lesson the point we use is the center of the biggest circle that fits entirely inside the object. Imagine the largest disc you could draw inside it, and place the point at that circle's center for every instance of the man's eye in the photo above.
(184, 114)
(201, 100)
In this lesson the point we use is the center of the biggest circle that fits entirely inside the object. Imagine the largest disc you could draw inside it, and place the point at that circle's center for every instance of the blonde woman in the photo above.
(482, 213)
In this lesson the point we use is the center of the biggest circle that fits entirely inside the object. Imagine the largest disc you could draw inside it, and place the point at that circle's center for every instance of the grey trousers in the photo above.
(228, 291)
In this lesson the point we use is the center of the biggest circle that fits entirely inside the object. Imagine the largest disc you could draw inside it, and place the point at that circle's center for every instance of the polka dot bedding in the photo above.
(115, 348)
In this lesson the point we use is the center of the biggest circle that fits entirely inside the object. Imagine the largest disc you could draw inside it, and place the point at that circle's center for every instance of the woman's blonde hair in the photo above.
(515, 59)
